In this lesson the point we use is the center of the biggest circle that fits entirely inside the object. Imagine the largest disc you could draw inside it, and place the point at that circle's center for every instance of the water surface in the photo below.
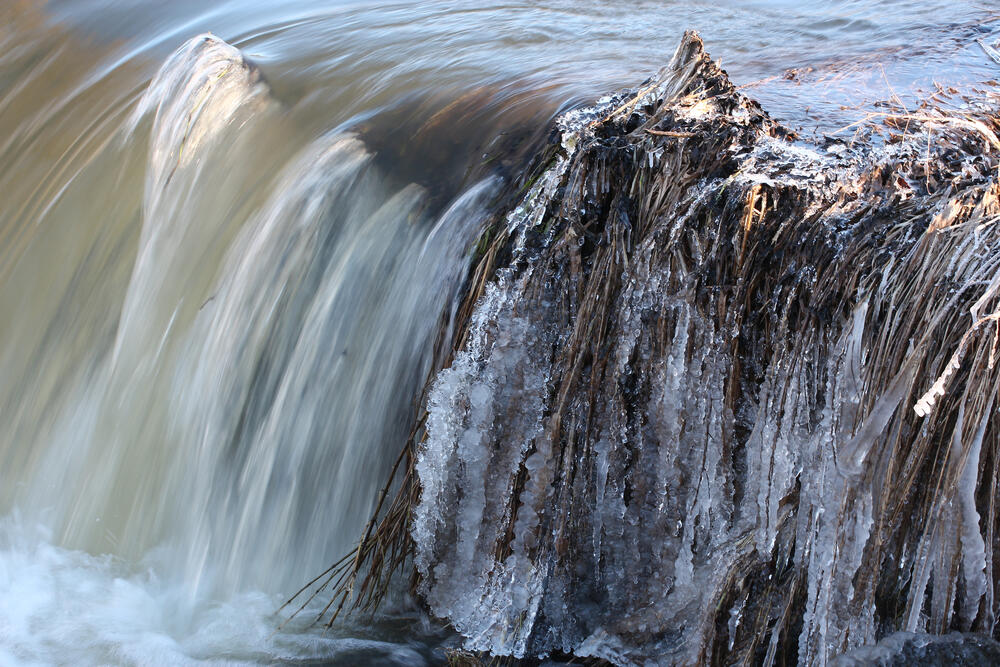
(222, 282)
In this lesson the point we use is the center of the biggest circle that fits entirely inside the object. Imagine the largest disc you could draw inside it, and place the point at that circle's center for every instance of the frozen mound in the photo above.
(720, 395)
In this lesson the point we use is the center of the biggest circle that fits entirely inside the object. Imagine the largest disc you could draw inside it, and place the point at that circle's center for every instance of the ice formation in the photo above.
(679, 425)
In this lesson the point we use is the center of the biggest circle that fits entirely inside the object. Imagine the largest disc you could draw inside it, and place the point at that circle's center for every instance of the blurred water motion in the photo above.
(223, 270)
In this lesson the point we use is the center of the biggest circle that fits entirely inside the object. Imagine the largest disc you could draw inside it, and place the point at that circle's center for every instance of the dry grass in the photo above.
(901, 246)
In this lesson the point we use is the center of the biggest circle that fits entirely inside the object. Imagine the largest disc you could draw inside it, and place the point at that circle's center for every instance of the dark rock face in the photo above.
(720, 395)
(907, 649)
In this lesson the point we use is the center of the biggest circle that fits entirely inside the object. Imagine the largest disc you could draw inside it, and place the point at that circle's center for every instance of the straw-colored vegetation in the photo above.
(842, 316)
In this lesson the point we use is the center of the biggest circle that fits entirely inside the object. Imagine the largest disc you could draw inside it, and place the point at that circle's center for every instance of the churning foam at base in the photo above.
(60, 602)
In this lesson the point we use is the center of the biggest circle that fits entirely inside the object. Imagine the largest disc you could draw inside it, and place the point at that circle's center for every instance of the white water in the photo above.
(66, 607)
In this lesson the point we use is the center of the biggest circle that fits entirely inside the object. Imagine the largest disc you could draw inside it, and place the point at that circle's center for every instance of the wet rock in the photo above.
(906, 649)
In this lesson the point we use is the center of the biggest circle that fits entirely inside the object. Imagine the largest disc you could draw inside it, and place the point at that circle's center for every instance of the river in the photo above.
(230, 235)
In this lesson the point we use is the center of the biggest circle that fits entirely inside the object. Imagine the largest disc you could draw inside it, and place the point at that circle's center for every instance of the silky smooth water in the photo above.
(225, 262)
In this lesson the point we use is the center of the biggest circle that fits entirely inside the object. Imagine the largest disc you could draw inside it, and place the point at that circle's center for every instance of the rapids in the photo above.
(232, 239)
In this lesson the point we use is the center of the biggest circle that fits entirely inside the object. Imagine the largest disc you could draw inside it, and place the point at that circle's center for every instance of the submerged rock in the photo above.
(720, 395)
(907, 649)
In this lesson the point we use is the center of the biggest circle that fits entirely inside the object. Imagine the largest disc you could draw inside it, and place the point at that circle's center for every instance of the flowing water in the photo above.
(226, 260)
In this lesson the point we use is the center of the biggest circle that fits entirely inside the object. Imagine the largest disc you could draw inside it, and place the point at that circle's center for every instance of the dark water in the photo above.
(220, 293)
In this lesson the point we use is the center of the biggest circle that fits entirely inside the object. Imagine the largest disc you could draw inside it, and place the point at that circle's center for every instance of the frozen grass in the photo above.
(767, 432)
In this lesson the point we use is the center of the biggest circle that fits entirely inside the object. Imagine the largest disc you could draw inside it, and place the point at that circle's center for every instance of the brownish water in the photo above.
(219, 292)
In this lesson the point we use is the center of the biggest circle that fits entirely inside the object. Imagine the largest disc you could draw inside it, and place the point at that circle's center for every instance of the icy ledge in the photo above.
(722, 395)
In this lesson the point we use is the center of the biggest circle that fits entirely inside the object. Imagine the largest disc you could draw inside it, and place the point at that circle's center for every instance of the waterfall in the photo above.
(231, 428)
(246, 411)
(652, 379)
